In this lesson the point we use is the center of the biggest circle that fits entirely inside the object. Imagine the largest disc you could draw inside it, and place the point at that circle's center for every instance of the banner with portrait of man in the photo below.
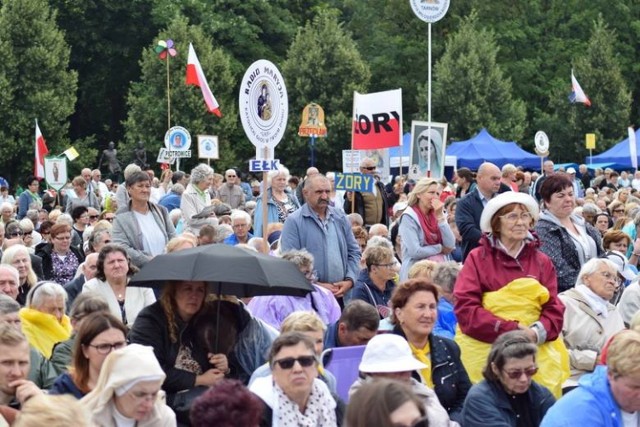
(428, 144)
(55, 172)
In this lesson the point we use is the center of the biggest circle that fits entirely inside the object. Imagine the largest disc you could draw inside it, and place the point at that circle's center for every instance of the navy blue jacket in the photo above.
(487, 404)
(65, 385)
(450, 380)
(365, 289)
(170, 201)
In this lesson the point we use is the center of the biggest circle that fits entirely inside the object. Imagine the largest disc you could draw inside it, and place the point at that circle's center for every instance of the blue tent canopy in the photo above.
(485, 148)
(618, 155)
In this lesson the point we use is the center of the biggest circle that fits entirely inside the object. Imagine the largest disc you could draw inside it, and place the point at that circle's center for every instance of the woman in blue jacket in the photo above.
(281, 202)
(508, 397)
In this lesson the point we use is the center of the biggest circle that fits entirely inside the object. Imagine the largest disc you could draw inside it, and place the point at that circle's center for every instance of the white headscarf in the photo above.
(123, 368)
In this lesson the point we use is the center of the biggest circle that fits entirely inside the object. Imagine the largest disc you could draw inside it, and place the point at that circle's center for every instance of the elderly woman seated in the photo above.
(389, 356)
(589, 319)
(274, 309)
(508, 396)
(130, 397)
(293, 394)
(43, 320)
(376, 282)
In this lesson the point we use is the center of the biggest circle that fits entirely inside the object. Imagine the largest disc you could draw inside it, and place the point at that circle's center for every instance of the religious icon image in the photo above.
(264, 103)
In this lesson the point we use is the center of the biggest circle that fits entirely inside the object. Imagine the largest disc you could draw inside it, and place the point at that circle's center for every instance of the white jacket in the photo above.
(585, 332)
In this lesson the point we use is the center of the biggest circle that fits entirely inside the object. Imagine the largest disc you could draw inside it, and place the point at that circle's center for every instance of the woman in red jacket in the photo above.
(506, 284)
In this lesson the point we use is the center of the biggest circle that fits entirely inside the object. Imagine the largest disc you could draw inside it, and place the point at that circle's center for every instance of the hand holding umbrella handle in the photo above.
(219, 361)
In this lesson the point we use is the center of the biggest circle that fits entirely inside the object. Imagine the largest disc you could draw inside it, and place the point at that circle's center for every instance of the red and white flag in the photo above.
(195, 76)
(41, 151)
(577, 94)
(377, 120)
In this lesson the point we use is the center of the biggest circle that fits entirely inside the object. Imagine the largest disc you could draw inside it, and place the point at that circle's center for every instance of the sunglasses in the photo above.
(369, 168)
(16, 234)
(110, 218)
(94, 216)
(529, 372)
(288, 362)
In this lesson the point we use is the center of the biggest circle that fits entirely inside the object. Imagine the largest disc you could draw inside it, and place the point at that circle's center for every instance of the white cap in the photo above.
(400, 206)
(389, 353)
(571, 171)
(621, 264)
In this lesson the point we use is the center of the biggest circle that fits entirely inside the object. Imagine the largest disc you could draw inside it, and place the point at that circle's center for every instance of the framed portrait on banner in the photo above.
(428, 144)
(208, 147)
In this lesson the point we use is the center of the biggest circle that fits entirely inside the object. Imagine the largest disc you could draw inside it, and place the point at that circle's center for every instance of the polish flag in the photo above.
(577, 94)
(41, 151)
(195, 76)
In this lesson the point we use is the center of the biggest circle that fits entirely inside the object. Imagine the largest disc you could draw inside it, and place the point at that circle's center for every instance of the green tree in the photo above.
(35, 82)
(147, 119)
(470, 90)
(107, 37)
(598, 71)
(324, 66)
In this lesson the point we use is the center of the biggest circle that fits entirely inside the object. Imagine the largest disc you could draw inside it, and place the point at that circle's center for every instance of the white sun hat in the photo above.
(388, 353)
(504, 199)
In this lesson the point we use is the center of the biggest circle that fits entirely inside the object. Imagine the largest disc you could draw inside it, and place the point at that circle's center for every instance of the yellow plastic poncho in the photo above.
(520, 300)
(43, 330)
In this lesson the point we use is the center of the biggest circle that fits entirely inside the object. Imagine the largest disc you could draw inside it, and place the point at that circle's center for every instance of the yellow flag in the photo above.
(71, 154)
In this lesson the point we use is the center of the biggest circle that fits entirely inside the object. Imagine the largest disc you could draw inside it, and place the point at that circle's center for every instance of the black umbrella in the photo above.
(228, 271)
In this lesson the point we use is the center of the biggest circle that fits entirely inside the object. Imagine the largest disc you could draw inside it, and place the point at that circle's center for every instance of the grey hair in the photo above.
(130, 170)
(201, 173)
(222, 232)
(445, 275)
(32, 214)
(175, 214)
(379, 241)
(592, 266)
(6, 205)
(26, 223)
(590, 208)
(8, 305)
(65, 218)
(240, 214)
(256, 243)
(300, 257)
(636, 220)
(11, 269)
(177, 188)
(43, 290)
(282, 170)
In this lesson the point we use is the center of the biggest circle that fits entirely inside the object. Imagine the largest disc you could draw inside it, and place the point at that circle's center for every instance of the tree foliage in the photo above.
(324, 66)
(470, 90)
(35, 83)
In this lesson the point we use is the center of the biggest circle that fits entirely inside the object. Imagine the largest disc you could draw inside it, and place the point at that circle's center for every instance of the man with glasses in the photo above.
(371, 206)
(241, 223)
(231, 193)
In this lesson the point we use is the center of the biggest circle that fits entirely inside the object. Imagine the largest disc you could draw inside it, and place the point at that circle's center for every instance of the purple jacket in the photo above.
(274, 309)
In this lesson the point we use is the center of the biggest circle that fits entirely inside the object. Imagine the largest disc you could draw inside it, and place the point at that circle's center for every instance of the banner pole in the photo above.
(429, 104)
(265, 241)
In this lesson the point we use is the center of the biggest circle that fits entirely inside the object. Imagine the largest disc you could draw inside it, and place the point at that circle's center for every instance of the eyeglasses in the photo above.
(386, 265)
(94, 216)
(288, 362)
(110, 218)
(240, 225)
(529, 372)
(513, 217)
(62, 237)
(107, 348)
(15, 234)
(27, 233)
(311, 275)
(618, 211)
(368, 168)
(609, 277)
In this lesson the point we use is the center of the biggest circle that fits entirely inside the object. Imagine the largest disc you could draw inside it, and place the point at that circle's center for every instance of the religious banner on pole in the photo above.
(55, 172)
(377, 120)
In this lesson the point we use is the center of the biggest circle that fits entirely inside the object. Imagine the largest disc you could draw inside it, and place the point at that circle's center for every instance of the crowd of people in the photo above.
(501, 298)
